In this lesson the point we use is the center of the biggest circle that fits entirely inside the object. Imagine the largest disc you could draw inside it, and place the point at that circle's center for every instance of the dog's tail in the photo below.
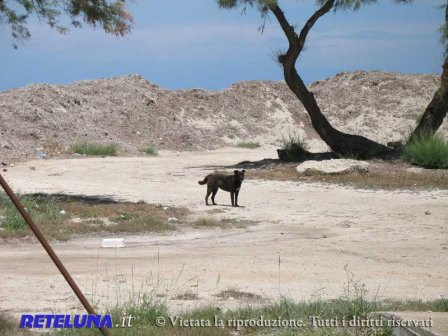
(204, 181)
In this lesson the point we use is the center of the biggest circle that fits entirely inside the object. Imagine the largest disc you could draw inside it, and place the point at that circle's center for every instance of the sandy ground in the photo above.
(305, 236)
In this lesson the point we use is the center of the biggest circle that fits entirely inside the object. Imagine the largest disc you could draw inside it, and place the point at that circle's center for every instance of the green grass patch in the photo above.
(248, 144)
(94, 149)
(41, 209)
(294, 148)
(150, 151)
(60, 218)
(428, 151)
(146, 310)
(9, 326)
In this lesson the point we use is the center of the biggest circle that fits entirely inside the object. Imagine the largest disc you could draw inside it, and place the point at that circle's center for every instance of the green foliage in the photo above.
(92, 149)
(248, 144)
(110, 15)
(294, 148)
(146, 309)
(150, 151)
(9, 326)
(39, 208)
(427, 150)
(235, 3)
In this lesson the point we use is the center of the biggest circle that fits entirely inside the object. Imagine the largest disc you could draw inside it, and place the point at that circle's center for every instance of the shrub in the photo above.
(248, 144)
(149, 151)
(293, 148)
(94, 149)
(428, 151)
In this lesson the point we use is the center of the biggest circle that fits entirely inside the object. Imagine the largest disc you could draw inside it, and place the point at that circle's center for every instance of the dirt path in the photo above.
(384, 237)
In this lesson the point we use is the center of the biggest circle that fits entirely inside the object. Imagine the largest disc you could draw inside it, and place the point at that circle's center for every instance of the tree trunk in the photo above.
(345, 144)
(437, 108)
(342, 143)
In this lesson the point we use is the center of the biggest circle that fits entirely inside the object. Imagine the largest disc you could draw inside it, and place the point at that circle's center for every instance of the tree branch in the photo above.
(287, 28)
(296, 42)
(312, 20)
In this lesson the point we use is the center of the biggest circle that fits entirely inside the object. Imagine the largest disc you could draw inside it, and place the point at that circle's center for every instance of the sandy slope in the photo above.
(384, 237)
(134, 113)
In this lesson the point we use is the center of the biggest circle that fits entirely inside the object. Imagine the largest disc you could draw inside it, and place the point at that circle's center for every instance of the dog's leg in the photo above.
(236, 197)
(209, 191)
(213, 196)
(232, 197)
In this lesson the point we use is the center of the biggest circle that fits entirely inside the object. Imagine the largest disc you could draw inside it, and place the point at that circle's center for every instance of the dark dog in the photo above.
(230, 183)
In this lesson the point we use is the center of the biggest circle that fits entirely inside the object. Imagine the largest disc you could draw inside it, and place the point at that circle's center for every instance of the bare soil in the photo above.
(395, 242)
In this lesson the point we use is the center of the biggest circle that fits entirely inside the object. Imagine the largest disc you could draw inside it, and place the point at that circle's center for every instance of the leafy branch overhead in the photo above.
(111, 16)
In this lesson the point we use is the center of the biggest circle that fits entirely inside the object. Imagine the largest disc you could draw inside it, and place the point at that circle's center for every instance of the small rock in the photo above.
(172, 219)
(345, 224)
(4, 163)
(427, 212)
(324, 236)
(415, 170)
(33, 167)
(12, 165)
(165, 208)
(333, 166)
(5, 170)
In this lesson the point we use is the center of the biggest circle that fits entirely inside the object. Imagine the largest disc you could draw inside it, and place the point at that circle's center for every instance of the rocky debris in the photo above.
(334, 166)
(134, 113)
(345, 224)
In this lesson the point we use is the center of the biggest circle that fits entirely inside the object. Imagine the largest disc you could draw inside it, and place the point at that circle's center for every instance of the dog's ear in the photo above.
(236, 172)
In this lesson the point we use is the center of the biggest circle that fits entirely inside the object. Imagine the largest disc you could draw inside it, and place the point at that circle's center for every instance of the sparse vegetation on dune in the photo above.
(94, 149)
(294, 148)
(248, 144)
(427, 150)
(150, 151)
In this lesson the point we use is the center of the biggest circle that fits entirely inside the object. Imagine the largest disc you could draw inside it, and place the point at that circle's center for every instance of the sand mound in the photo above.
(135, 113)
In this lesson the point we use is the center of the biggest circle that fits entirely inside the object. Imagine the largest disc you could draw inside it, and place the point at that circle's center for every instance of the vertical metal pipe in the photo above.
(50, 251)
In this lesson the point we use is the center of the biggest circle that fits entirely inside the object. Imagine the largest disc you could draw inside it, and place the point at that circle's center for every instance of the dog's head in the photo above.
(239, 175)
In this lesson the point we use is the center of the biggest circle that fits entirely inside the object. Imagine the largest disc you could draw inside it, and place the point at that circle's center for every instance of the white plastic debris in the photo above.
(112, 242)
(62, 212)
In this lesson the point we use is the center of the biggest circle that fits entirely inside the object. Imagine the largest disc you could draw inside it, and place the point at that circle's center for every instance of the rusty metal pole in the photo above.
(50, 251)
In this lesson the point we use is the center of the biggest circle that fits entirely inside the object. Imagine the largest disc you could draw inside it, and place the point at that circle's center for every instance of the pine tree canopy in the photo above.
(111, 16)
